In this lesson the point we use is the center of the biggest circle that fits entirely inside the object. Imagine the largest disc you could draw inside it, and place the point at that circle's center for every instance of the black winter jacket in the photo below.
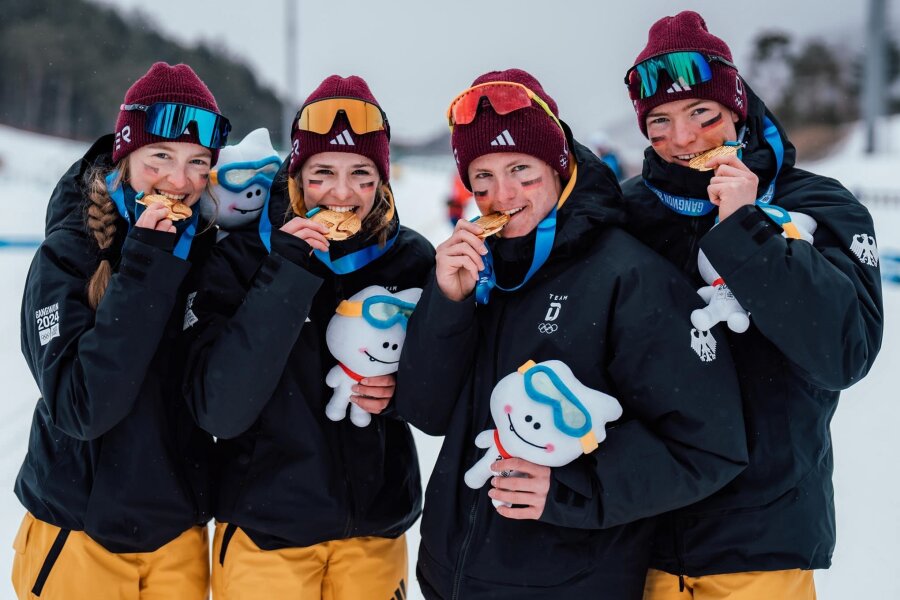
(815, 328)
(113, 449)
(288, 476)
(622, 327)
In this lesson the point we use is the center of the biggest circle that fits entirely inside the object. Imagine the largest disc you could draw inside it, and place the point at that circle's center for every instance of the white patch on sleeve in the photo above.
(47, 320)
(865, 249)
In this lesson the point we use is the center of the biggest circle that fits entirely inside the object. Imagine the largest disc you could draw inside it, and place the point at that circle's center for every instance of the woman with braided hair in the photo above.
(115, 480)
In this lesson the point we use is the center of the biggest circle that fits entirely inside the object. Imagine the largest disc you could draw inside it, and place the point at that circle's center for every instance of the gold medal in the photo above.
(699, 162)
(177, 210)
(341, 225)
(491, 223)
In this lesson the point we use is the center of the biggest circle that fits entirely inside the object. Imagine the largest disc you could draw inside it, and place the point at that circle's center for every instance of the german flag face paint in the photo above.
(341, 182)
(681, 130)
(520, 186)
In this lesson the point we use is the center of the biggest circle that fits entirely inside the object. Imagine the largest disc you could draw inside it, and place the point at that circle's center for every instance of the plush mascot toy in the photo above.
(721, 303)
(240, 182)
(544, 415)
(365, 336)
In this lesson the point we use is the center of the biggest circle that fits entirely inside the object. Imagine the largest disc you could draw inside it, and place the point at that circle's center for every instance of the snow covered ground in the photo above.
(864, 429)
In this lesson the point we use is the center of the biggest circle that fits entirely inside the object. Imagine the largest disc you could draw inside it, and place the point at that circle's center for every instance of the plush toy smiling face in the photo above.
(367, 332)
(241, 181)
(543, 413)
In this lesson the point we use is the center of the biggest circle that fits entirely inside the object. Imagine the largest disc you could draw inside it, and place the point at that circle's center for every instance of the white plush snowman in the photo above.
(241, 181)
(545, 415)
(366, 336)
(721, 303)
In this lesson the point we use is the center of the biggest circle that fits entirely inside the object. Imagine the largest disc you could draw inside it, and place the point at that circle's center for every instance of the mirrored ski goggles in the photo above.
(364, 117)
(237, 177)
(570, 416)
(504, 96)
(382, 312)
(683, 68)
(170, 120)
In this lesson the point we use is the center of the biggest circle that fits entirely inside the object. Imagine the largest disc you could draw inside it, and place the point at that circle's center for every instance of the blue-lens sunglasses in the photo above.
(170, 120)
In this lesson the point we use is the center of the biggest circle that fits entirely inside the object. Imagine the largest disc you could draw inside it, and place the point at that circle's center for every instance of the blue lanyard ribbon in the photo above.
(487, 279)
(182, 247)
(698, 207)
(341, 266)
(355, 260)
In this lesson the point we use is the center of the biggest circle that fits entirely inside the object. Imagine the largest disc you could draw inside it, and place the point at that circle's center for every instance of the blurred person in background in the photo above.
(603, 147)
(457, 200)
(308, 507)
(562, 282)
(815, 312)
(116, 476)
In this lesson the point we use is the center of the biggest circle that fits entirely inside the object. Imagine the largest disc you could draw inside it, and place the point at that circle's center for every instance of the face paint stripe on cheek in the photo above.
(659, 139)
(533, 182)
(715, 120)
(367, 185)
(313, 182)
(479, 193)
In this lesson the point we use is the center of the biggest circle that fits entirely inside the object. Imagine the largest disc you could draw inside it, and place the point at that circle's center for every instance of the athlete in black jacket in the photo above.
(606, 306)
(115, 479)
(307, 506)
(815, 313)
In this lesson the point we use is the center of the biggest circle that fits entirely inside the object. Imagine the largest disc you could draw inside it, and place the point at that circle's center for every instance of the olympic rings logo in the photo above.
(548, 327)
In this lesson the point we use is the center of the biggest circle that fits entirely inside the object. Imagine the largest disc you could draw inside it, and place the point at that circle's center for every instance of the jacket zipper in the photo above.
(457, 580)
(348, 526)
(473, 511)
(690, 263)
(679, 551)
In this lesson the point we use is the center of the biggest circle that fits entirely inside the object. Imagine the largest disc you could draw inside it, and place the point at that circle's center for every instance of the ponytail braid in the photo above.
(101, 221)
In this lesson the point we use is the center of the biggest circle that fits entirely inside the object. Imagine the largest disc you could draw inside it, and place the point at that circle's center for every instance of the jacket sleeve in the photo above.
(820, 304)
(245, 320)
(90, 365)
(682, 435)
(436, 359)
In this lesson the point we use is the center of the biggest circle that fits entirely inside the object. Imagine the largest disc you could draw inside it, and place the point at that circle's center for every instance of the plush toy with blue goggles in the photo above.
(240, 183)
(366, 336)
(544, 415)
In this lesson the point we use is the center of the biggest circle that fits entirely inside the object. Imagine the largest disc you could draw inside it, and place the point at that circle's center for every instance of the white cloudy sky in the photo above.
(416, 54)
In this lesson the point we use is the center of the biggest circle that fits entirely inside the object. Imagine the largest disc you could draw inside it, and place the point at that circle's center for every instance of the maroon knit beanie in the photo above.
(528, 131)
(687, 31)
(162, 83)
(341, 138)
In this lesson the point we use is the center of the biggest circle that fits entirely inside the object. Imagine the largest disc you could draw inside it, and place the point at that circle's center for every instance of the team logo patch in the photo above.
(863, 246)
(704, 344)
(553, 309)
(47, 320)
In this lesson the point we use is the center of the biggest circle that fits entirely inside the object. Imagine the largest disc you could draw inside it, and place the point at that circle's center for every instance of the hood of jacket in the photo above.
(65, 210)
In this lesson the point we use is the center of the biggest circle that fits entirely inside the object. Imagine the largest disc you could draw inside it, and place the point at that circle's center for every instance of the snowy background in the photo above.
(864, 429)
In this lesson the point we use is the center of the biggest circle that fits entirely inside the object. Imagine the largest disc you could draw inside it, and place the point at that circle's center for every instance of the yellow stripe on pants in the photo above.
(363, 567)
(793, 584)
(69, 565)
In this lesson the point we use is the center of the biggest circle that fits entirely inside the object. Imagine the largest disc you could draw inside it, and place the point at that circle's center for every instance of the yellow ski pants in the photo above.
(364, 567)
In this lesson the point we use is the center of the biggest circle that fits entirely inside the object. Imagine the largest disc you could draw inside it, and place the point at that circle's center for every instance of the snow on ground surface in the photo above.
(865, 441)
